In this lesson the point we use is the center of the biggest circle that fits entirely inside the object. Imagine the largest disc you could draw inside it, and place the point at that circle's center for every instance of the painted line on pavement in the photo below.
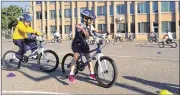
(31, 92)
(145, 57)
(133, 57)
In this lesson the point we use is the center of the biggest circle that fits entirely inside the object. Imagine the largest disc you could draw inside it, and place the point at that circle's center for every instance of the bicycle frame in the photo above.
(98, 53)
(40, 49)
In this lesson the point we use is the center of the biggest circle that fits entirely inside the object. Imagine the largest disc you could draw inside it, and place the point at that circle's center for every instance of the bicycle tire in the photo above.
(39, 62)
(174, 44)
(63, 65)
(5, 65)
(115, 72)
(161, 43)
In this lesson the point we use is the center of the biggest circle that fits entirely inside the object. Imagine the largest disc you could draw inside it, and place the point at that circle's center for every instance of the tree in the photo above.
(9, 16)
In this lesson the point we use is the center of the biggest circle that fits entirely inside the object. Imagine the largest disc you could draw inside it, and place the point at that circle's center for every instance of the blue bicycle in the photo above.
(106, 74)
(47, 60)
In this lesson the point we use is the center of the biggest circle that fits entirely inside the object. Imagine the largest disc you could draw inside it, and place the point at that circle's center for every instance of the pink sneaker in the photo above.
(92, 76)
(72, 78)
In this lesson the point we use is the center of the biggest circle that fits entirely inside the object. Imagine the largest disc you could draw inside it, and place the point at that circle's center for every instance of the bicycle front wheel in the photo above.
(66, 65)
(106, 72)
(48, 61)
(8, 62)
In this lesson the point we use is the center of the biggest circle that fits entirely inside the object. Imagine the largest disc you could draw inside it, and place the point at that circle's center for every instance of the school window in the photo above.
(38, 2)
(132, 8)
(45, 14)
(52, 14)
(68, 29)
(75, 12)
(132, 27)
(111, 10)
(92, 9)
(60, 13)
(102, 27)
(101, 10)
(53, 29)
(143, 7)
(67, 13)
(155, 6)
(179, 5)
(121, 9)
(52, 2)
(144, 27)
(167, 6)
(38, 15)
(122, 28)
(168, 25)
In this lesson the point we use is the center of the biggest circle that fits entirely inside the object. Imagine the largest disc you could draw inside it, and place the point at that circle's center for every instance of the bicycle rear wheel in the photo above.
(106, 75)
(66, 65)
(53, 41)
(48, 63)
(8, 62)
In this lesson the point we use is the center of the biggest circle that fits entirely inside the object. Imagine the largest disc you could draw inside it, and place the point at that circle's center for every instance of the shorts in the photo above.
(79, 47)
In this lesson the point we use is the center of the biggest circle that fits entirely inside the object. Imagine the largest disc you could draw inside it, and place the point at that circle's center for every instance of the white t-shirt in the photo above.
(56, 34)
(118, 35)
(170, 35)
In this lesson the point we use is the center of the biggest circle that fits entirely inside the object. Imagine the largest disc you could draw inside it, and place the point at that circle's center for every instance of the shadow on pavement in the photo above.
(133, 88)
(171, 87)
(34, 67)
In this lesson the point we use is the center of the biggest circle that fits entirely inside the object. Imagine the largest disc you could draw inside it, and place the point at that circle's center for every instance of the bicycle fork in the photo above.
(100, 65)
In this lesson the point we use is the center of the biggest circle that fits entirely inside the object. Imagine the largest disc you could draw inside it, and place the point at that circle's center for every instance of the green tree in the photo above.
(9, 15)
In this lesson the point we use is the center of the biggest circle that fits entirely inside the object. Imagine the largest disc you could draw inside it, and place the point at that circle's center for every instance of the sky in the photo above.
(18, 3)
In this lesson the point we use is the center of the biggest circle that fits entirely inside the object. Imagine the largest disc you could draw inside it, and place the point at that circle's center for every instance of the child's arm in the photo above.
(83, 30)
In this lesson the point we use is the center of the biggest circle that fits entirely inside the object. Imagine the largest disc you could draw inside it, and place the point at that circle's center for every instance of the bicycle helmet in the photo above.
(27, 17)
(88, 14)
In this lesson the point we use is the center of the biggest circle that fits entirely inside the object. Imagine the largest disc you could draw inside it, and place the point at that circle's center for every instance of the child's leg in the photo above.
(74, 60)
(22, 48)
(90, 65)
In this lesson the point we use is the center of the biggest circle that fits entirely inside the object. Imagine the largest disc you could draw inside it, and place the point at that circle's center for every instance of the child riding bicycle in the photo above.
(79, 44)
(21, 39)
(168, 37)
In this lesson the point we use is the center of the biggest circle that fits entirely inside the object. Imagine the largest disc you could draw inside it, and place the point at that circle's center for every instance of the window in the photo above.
(168, 25)
(143, 7)
(155, 6)
(168, 6)
(75, 12)
(53, 29)
(92, 9)
(68, 29)
(52, 14)
(144, 27)
(132, 27)
(67, 13)
(111, 10)
(38, 2)
(132, 8)
(122, 28)
(101, 10)
(121, 9)
(45, 14)
(38, 15)
(102, 27)
(52, 2)
(60, 13)
(179, 5)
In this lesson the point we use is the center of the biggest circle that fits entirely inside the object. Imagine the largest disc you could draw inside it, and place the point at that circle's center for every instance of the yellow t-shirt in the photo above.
(21, 31)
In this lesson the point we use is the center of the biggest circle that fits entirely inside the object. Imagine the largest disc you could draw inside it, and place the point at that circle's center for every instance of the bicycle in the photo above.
(101, 66)
(151, 39)
(118, 38)
(161, 44)
(129, 39)
(9, 64)
(56, 40)
(103, 37)
(69, 37)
